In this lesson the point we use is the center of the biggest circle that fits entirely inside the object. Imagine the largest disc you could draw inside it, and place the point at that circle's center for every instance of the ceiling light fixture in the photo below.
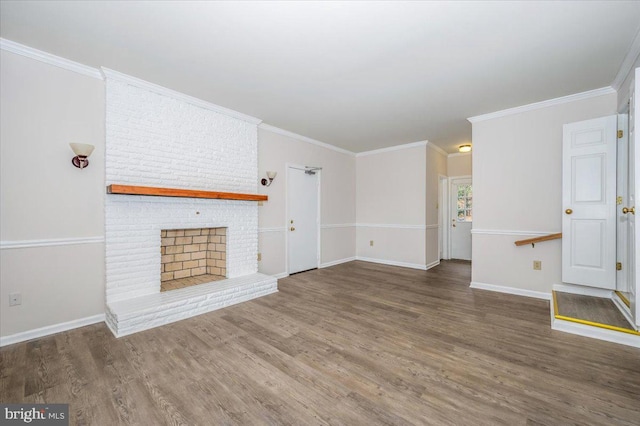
(464, 148)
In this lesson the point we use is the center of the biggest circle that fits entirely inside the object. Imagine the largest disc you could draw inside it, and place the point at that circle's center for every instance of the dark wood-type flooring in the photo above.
(355, 344)
(589, 308)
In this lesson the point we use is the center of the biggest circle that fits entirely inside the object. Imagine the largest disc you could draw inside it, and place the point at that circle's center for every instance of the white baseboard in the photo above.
(511, 290)
(432, 264)
(392, 263)
(337, 262)
(585, 291)
(280, 275)
(50, 329)
(595, 332)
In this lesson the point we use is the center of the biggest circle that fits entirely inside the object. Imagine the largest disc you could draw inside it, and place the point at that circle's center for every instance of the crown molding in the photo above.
(459, 154)
(48, 58)
(437, 148)
(627, 63)
(142, 84)
(393, 148)
(296, 136)
(543, 104)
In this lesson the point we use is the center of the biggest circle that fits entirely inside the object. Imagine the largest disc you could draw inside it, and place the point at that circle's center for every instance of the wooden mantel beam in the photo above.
(184, 193)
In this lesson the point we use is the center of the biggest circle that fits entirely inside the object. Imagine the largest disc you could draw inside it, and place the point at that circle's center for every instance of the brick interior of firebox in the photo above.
(192, 256)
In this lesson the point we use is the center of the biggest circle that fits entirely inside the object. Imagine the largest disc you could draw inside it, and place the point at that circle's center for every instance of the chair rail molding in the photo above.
(337, 225)
(271, 229)
(18, 244)
(510, 232)
(390, 225)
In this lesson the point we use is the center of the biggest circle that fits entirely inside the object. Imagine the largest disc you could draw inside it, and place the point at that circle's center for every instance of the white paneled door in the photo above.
(303, 218)
(461, 195)
(589, 203)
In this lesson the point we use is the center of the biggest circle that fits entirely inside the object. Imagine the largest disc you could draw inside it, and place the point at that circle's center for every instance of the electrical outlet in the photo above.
(537, 265)
(15, 299)
(371, 243)
(259, 257)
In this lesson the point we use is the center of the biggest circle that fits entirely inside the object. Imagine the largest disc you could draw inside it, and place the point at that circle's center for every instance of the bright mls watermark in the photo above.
(36, 414)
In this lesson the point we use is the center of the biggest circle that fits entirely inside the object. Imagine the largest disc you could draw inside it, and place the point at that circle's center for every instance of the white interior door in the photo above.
(461, 214)
(303, 219)
(589, 203)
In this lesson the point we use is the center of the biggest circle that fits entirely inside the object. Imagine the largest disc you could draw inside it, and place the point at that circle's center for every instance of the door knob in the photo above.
(568, 211)
(293, 229)
(631, 210)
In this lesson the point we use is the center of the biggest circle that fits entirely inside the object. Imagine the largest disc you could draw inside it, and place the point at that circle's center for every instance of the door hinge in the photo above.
(618, 200)
(620, 134)
(618, 266)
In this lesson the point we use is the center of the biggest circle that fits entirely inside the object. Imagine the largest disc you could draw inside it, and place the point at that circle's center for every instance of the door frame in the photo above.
(286, 213)
(622, 178)
(635, 259)
(443, 214)
(450, 180)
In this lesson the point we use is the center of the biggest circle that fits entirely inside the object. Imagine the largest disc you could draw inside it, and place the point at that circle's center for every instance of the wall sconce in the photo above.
(82, 151)
(464, 148)
(269, 179)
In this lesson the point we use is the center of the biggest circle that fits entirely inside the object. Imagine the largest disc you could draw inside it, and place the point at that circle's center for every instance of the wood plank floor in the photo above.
(355, 344)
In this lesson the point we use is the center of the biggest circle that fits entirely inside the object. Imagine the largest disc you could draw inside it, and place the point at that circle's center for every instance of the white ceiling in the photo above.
(358, 75)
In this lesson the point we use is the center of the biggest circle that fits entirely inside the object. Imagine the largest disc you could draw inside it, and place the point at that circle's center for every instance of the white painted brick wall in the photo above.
(156, 140)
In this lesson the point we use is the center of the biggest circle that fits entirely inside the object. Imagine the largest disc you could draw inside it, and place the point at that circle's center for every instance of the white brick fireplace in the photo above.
(156, 137)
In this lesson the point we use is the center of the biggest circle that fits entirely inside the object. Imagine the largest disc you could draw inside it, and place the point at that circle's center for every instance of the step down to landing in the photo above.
(592, 316)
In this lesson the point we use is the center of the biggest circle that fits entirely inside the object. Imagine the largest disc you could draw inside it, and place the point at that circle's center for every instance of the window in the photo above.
(464, 204)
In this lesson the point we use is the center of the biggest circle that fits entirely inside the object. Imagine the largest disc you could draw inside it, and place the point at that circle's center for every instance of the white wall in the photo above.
(338, 195)
(517, 177)
(45, 198)
(459, 164)
(390, 207)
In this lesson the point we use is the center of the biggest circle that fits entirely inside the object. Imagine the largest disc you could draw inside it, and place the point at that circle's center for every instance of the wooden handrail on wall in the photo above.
(539, 239)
